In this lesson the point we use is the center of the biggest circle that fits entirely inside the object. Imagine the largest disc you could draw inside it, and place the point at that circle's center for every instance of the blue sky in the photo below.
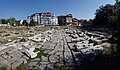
(20, 9)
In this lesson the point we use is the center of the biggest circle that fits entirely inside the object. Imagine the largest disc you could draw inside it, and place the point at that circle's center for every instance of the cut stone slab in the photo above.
(42, 67)
(47, 51)
(54, 58)
(53, 52)
(44, 58)
(44, 63)
(49, 67)
(106, 45)
(59, 53)
(32, 63)
(36, 59)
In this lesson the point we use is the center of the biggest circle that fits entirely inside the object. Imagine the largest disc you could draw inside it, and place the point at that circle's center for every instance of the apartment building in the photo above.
(64, 20)
(43, 18)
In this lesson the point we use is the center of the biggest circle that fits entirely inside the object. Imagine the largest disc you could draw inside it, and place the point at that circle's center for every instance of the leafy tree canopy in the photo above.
(12, 21)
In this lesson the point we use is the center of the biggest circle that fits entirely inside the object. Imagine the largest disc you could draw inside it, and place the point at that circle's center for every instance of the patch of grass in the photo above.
(113, 49)
(22, 67)
(13, 28)
(3, 68)
(3, 41)
(44, 28)
(12, 38)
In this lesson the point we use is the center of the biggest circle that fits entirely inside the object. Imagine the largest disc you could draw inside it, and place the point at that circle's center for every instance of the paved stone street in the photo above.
(58, 53)
(57, 45)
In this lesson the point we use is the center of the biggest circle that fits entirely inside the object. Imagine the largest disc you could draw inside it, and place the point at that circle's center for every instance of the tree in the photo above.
(109, 15)
(25, 23)
(12, 21)
(117, 6)
(105, 16)
(90, 21)
(33, 23)
(3, 21)
(0, 21)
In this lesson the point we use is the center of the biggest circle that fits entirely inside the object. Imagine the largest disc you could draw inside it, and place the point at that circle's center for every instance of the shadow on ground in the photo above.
(105, 62)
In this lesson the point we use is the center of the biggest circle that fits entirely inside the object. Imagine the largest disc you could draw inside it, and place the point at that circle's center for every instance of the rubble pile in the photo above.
(62, 47)
(87, 45)
(20, 50)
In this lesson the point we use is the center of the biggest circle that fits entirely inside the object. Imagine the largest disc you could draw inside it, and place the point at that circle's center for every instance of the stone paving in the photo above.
(58, 50)
(58, 53)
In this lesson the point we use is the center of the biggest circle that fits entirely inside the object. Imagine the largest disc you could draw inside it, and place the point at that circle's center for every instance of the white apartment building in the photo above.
(44, 18)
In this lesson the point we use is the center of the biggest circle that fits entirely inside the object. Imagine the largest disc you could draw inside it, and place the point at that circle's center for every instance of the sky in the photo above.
(20, 9)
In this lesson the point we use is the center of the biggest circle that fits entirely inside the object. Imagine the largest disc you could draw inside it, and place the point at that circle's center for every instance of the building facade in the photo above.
(44, 18)
(64, 20)
(75, 21)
